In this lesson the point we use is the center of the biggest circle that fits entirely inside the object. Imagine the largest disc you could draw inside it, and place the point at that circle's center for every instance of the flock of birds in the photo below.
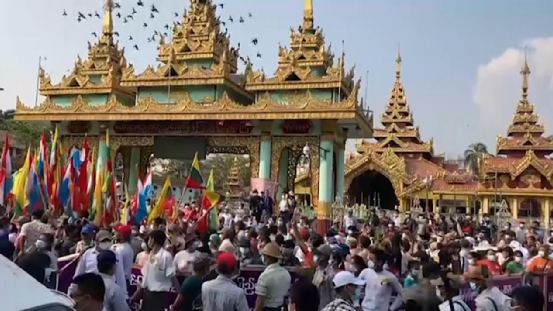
(129, 15)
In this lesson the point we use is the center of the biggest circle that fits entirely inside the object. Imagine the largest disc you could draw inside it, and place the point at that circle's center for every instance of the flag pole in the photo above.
(38, 80)
(341, 70)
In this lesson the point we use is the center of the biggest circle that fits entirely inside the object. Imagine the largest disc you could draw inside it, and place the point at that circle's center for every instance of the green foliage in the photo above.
(25, 133)
(473, 157)
(220, 163)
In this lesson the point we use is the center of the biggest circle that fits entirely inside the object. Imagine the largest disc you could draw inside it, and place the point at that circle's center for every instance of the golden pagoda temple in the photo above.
(234, 183)
(522, 173)
(195, 96)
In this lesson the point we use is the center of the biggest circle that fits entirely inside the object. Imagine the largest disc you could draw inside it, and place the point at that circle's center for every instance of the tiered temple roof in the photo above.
(100, 73)
(399, 141)
(524, 147)
(399, 132)
(524, 132)
(199, 50)
(306, 64)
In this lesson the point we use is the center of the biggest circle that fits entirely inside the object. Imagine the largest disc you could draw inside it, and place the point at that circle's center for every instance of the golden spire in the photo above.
(308, 14)
(107, 25)
(398, 64)
(525, 72)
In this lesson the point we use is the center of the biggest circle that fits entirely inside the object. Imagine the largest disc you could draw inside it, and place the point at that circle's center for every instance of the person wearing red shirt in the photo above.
(491, 262)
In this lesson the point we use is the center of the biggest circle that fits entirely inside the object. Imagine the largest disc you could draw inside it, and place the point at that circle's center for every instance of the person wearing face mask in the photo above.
(227, 237)
(412, 277)
(142, 257)
(489, 296)
(304, 296)
(87, 239)
(541, 263)
(184, 259)
(324, 273)
(515, 266)
(273, 283)
(348, 292)
(521, 232)
(380, 284)
(247, 256)
(89, 292)
(88, 261)
(448, 289)
(288, 258)
(491, 263)
(124, 249)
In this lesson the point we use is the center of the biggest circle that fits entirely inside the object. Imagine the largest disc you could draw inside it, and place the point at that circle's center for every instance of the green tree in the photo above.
(26, 133)
(474, 156)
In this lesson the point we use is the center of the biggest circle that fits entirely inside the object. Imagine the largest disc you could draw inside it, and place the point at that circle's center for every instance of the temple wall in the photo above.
(93, 99)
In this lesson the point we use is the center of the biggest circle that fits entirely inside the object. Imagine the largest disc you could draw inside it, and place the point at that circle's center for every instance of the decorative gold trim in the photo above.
(530, 159)
(306, 106)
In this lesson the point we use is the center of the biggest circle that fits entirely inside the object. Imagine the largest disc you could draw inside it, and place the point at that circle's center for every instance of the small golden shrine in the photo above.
(234, 184)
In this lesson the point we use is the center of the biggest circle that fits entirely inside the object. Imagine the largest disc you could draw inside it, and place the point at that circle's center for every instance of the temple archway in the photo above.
(372, 188)
(530, 208)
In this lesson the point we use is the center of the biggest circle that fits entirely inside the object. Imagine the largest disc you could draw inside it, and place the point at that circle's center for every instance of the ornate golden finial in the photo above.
(308, 14)
(398, 64)
(107, 25)
(525, 72)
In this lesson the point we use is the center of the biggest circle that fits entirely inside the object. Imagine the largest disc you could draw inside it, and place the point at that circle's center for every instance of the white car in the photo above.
(21, 292)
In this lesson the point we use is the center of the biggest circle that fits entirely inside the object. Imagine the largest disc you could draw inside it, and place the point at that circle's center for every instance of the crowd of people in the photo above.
(389, 261)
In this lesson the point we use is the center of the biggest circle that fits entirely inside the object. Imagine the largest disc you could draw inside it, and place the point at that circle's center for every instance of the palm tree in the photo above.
(473, 157)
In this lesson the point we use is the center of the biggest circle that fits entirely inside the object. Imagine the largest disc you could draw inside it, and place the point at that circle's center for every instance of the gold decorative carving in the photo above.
(530, 159)
(279, 143)
(388, 164)
(530, 179)
(147, 109)
(68, 142)
(237, 145)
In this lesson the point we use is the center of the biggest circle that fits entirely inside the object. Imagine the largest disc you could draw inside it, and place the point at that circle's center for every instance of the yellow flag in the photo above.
(158, 208)
(125, 209)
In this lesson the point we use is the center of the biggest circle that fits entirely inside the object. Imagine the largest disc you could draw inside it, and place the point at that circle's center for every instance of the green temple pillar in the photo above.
(133, 168)
(103, 149)
(283, 173)
(324, 210)
(340, 171)
(265, 157)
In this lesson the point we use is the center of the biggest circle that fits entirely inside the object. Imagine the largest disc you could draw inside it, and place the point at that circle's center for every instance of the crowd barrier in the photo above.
(249, 275)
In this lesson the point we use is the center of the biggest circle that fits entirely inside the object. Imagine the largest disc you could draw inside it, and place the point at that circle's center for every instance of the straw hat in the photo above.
(476, 273)
(271, 250)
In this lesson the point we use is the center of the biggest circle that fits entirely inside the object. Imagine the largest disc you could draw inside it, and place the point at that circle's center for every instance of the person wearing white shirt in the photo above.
(448, 289)
(184, 259)
(380, 284)
(114, 298)
(124, 249)
(350, 220)
(89, 263)
(159, 275)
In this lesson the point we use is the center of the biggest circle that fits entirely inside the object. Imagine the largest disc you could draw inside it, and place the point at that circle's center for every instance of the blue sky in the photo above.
(461, 59)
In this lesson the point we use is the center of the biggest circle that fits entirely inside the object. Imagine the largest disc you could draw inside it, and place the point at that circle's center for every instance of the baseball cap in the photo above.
(106, 256)
(103, 235)
(87, 230)
(227, 259)
(124, 230)
(344, 278)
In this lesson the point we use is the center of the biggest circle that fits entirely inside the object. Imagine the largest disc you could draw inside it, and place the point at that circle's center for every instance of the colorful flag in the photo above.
(125, 214)
(194, 179)
(157, 211)
(6, 181)
(209, 205)
(19, 189)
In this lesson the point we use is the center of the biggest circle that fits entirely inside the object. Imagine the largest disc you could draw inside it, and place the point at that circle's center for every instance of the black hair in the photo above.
(530, 297)
(91, 284)
(304, 295)
(317, 240)
(279, 239)
(38, 214)
(105, 266)
(159, 221)
(364, 241)
(430, 269)
(158, 237)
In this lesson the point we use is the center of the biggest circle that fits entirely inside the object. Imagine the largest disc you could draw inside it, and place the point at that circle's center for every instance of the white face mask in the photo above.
(40, 244)
(244, 251)
(439, 294)
(144, 246)
(370, 264)
(518, 259)
(439, 239)
(104, 245)
(472, 261)
(280, 223)
(492, 257)
(541, 253)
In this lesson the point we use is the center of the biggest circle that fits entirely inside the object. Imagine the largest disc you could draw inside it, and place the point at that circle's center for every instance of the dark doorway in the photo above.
(372, 189)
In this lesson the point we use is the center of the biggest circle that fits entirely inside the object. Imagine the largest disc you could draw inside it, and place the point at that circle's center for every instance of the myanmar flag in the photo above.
(209, 222)
(194, 179)
(158, 209)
